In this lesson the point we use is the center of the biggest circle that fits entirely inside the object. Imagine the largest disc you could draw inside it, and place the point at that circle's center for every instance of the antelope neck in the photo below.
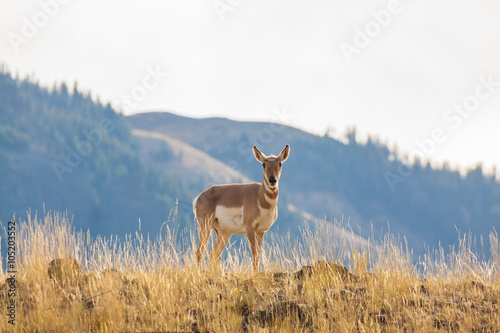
(268, 195)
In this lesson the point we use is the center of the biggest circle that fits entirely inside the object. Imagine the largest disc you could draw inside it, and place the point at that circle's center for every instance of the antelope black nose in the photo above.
(272, 180)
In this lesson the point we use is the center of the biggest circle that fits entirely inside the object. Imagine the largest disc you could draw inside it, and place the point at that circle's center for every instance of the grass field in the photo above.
(152, 285)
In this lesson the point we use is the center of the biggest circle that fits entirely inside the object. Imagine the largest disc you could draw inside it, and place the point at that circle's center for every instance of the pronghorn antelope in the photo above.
(249, 209)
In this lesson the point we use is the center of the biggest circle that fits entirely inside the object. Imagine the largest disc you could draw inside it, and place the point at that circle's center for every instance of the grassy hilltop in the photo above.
(140, 284)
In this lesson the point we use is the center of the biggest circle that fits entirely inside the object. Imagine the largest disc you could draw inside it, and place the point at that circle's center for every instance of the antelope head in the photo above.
(271, 165)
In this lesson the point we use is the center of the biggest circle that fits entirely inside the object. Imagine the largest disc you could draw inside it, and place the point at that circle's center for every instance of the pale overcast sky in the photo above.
(406, 71)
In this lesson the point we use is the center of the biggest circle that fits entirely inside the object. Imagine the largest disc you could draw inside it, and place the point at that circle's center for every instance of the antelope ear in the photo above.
(258, 155)
(284, 154)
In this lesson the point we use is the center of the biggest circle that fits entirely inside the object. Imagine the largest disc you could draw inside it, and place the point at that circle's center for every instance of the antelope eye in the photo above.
(263, 165)
(280, 164)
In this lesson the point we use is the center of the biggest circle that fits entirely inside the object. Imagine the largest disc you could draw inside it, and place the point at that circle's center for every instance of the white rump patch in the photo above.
(195, 201)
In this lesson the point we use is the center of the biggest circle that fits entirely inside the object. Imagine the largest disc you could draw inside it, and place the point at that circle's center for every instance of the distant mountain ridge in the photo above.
(56, 154)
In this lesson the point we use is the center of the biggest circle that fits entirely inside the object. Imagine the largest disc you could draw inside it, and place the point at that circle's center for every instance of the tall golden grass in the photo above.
(143, 284)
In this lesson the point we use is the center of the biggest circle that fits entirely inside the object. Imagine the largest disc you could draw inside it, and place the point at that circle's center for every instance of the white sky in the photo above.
(280, 55)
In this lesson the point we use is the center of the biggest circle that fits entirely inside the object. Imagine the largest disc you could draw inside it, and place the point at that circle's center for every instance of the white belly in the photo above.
(230, 219)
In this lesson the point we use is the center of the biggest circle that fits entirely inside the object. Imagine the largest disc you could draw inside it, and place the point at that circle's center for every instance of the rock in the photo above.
(283, 310)
(15, 289)
(325, 266)
(65, 271)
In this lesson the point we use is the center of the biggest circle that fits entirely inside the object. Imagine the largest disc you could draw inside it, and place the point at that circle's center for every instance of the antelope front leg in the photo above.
(255, 239)
(259, 237)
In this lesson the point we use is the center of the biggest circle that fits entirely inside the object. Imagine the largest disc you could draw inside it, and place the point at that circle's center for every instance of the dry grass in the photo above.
(154, 285)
